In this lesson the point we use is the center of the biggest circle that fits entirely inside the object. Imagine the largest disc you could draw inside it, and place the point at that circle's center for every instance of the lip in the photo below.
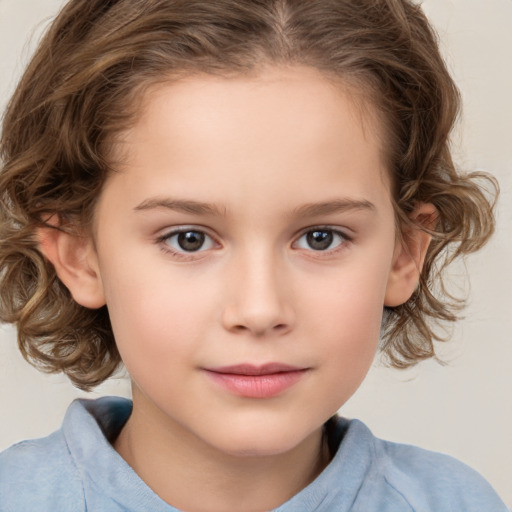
(256, 381)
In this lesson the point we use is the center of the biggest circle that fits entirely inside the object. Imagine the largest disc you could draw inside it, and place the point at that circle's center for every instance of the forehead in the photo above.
(291, 120)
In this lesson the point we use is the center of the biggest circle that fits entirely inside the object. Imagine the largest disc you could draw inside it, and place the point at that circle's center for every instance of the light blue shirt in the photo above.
(76, 469)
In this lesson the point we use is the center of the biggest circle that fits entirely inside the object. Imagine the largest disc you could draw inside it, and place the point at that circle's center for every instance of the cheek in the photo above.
(351, 297)
(155, 316)
(345, 317)
(349, 345)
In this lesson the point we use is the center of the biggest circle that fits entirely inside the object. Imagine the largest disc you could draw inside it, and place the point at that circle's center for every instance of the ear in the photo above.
(75, 261)
(409, 256)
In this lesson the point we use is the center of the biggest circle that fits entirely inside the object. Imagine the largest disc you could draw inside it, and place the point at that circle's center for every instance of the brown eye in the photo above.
(190, 240)
(321, 239)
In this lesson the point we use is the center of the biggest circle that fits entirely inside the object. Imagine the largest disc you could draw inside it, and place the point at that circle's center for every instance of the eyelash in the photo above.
(163, 241)
(344, 239)
(184, 255)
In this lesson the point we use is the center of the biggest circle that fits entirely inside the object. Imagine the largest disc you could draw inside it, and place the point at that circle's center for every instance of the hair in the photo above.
(86, 83)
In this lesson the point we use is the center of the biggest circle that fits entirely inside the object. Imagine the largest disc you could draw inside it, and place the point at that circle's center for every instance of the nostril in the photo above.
(242, 317)
(260, 330)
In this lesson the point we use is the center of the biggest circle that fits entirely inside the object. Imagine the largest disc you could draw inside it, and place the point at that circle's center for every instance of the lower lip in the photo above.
(257, 386)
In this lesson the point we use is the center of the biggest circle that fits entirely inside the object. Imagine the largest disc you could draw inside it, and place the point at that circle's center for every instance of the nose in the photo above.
(259, 298)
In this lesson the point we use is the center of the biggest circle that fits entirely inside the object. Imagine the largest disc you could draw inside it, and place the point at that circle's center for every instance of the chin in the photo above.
(251, 450)
(261, 442)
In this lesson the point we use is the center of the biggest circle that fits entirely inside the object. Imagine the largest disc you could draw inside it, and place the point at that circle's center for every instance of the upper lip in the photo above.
(251, 369)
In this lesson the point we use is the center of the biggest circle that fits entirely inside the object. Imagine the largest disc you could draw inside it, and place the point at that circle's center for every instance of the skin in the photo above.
(260, 151)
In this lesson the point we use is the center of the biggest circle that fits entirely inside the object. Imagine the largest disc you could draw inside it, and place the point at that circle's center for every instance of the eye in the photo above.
(321, 239)
(188, 240)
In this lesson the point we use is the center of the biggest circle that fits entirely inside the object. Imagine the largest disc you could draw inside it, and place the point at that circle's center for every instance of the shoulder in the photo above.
(39, 475)
(392, 477)
(433, 481)
(70, 467)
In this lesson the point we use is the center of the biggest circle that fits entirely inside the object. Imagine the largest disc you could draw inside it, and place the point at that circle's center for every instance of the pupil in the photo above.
(320, 240)
(191, 240)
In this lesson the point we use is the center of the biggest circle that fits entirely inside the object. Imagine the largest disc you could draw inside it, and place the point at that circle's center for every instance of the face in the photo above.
(244, 249)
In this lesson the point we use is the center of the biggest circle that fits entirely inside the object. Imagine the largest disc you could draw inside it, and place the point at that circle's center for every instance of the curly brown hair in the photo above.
(86, 82)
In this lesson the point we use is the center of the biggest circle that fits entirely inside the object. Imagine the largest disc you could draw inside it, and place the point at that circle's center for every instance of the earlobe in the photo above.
(75, 261)
(409, 256)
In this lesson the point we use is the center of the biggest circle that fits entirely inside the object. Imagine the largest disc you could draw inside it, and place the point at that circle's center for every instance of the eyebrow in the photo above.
(186, 206)
(308, 210)
(334, 206)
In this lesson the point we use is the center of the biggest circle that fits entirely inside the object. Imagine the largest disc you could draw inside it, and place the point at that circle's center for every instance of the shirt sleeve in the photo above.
(39, 476)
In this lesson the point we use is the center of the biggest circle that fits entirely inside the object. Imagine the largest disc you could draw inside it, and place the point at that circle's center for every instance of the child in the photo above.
(226, 196)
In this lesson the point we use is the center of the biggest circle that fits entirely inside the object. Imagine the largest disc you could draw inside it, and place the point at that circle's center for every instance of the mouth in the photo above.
(256, 381)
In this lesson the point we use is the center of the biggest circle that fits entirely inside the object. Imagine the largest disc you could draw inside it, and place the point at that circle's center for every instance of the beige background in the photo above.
(465, 408)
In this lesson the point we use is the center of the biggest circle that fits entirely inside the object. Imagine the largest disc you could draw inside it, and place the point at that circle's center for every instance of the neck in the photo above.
(192, 475)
